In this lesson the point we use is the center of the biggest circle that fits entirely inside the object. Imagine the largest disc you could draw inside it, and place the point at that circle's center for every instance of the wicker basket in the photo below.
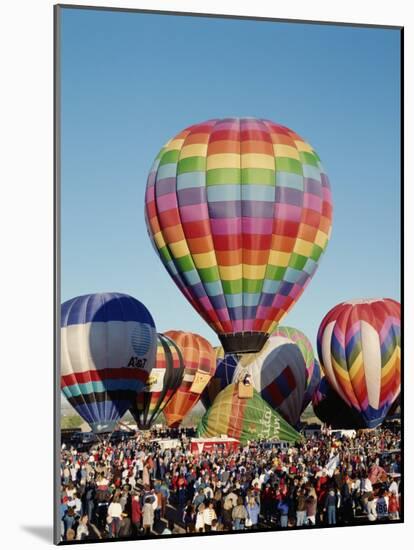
(245, 390)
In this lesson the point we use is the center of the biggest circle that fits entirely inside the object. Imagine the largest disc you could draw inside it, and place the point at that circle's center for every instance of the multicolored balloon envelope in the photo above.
(108, 346)
(239, 211)
(279, 374)
(359, 350)
(332, 410)
(199, 367)
(313, 369)
(163, 381)
(226, 366)
(244, 419)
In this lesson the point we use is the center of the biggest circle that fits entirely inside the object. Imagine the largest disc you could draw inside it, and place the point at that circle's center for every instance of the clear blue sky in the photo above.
(131, 81)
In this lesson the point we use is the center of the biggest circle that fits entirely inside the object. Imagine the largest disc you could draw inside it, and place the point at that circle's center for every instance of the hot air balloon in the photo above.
(239, 211)
(293, 368)
(244, 419)
(312, 366)
(164, 379)
(108, 345)
(359, 351)
(199, 367)
(226, 365)
(279, 374)
(332, 410)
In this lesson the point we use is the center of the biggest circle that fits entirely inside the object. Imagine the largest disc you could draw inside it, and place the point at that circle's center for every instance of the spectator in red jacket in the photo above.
(136, 513)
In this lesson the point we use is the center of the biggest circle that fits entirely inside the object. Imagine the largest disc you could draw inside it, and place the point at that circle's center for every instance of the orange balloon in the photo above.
(199, 367)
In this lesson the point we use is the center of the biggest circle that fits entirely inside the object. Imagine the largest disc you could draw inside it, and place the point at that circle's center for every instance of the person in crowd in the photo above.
(239, 515)
(209, 516)
(82, 532)
(115, 512)
(125, 527)
(199, 522)
(136, 513)
(69, 520)
(382, 505)
(331, 502)
(365, 490)
(189, 518)
(148, 515)
(311, 505)
(372, 508)
(283, 509)
(253, 510)
(346, 504)
(70, 534)
(300, 508)
(393, 506)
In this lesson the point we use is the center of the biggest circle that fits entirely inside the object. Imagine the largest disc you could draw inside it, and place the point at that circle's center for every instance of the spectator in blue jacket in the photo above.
(283, 508)
(331, 502)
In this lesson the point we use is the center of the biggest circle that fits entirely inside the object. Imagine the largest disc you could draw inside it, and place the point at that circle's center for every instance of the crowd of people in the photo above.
(133, 488)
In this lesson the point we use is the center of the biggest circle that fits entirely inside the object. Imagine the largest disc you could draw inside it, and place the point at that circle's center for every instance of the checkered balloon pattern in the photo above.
(239, 211)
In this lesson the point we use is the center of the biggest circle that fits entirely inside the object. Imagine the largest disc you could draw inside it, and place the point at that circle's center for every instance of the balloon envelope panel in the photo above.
(312, 384)
(359, 350)
(279, 374)
(244, 419)
(165, 378)
(226, 365)
(239, 211)
(199, 367)
(313, 369)
(108, 345)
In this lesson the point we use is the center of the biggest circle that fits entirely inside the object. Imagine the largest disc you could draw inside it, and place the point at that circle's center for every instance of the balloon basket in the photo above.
(245, 390)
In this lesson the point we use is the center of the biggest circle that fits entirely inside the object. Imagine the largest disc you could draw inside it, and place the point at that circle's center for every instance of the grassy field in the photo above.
(73, 420)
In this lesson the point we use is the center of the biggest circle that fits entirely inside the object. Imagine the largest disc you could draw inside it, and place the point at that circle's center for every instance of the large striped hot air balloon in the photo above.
(199, 367)
(108, 344)
(163, 381)
(239, 211)
(359, 350)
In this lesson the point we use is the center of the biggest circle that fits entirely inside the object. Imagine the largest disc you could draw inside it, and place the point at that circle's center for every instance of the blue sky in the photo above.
(131, 81)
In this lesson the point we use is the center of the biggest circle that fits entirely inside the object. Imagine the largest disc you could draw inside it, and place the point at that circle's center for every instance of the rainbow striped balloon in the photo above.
(359, 350)
(239, 211)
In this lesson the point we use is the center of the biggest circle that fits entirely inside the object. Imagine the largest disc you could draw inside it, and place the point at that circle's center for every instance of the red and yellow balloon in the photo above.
(199, 366)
